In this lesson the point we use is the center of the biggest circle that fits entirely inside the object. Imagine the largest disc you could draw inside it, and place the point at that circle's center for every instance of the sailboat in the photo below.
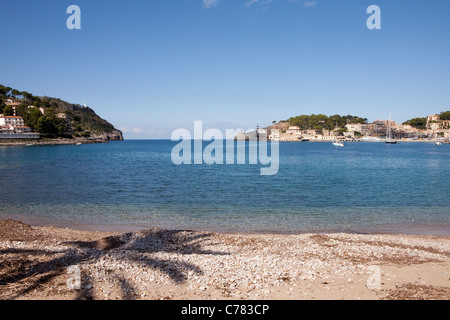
(338, 143)
(390, 141)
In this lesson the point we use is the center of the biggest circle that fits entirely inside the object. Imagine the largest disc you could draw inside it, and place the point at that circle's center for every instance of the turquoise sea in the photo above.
(127, 185)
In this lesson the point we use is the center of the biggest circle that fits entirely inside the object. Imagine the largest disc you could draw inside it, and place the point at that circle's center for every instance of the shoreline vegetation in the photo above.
(52, 118)
(158, 264)
(353, 128)
(56, 120)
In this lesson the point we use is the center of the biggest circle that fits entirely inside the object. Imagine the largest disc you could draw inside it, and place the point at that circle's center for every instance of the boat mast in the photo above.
(389, 126)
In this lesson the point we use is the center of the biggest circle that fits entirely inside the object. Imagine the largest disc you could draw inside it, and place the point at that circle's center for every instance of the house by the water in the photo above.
(13, 127)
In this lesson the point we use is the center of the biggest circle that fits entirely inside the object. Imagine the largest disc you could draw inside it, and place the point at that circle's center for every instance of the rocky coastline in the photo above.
(116, 135)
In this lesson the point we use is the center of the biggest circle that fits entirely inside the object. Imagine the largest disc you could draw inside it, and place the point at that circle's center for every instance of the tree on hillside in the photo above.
(8, 111)
(2, 104)
(354, 120)
(27, 96)
(7, 90)
(21, 110)
(318, 128)
(45, 104)
(47, 124)
(3, 90)
(15, 92)
(418, 123)
(305, 122)
(445, 115)
(32, 117)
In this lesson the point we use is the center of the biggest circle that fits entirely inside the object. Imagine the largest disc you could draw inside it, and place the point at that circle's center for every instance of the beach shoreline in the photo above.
(74, 141)
(159, 264)
(49, 142)
(420, 229)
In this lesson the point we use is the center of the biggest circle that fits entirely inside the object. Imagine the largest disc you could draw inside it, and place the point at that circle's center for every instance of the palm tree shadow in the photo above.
(138, 247)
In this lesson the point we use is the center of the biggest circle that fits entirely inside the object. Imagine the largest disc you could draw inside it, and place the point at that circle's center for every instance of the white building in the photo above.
(274, 134)
(12, 127)
(293, 130)
(11, 121)
(358, 127)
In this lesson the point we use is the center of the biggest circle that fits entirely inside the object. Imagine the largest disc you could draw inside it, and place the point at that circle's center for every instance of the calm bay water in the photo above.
(364, 187)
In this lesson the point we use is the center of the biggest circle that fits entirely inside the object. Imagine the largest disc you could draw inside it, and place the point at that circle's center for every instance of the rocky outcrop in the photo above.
(114, 135)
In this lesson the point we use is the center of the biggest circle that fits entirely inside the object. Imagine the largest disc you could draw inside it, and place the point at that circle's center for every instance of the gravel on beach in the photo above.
(52, 263)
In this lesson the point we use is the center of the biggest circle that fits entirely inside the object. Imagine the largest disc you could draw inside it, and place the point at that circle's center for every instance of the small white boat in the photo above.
(439, 143)
(338, 144)
(79, 143)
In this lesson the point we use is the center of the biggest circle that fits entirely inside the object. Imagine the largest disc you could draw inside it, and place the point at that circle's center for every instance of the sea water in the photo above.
(363, 187)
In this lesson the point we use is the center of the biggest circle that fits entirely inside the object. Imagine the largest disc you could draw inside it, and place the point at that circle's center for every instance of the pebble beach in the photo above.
(156, 264)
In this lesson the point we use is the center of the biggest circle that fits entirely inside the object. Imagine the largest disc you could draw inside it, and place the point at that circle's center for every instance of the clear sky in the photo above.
(152, 66)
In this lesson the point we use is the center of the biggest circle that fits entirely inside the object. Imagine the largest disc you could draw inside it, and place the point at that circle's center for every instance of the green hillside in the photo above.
(53, 117)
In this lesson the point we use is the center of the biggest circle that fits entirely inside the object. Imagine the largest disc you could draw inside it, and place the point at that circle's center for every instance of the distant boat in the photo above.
(79, 143)
(338, 144)
(439, 143)
(390, 141)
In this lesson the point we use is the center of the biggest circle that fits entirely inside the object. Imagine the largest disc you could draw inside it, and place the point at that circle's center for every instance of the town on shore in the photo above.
(435, 127)
(25, 118)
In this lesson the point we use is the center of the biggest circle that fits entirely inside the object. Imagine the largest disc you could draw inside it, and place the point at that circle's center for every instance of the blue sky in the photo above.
(152, 66)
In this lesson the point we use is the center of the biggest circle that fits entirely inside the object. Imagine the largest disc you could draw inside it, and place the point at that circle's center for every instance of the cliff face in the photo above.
(115, 135)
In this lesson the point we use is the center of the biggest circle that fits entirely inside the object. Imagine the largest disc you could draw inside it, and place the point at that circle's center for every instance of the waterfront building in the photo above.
(13, 127)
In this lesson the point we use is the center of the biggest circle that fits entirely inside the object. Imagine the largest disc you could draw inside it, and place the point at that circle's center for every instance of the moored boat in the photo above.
(338, 144)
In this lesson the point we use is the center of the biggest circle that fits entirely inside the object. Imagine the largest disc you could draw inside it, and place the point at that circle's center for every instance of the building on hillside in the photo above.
(433, 117)
(274, 134)
(12, 127)
(11, 121)
(253, 135)
(13, 103)
(362, 128)
(67, 118)
(405, 131)
(377, 129)
(293, 132)
(434, 122)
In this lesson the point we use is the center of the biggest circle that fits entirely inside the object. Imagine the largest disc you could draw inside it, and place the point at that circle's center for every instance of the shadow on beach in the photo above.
(31, 269)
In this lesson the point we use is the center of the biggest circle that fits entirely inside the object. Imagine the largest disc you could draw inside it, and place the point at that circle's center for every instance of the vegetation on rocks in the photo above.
(53, 117)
